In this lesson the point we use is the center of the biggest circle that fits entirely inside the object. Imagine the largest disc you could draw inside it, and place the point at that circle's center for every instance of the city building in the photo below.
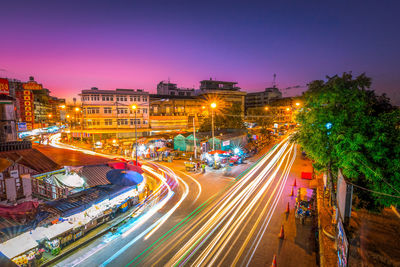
(7, 113)
(226, 93)
(263, 98)
(35, 106)
(173, 112)
(110, 112)
(167, 88)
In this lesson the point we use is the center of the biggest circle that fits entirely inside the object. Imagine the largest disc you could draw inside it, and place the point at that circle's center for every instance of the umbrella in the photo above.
(124, 177)
(135, 168)
(217, 152)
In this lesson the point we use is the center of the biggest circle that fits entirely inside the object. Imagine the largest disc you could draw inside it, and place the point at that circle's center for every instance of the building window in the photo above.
(122, 111)
(107, 110)
(144, 98)
(131, 99)
(93, 110)
(108, 122)
(145, 111)
(122, 121)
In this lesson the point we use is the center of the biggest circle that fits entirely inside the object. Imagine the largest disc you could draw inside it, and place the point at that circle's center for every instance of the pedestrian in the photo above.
(197, 166)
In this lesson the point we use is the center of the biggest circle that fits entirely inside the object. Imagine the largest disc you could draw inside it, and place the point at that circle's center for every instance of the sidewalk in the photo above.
(327, 245)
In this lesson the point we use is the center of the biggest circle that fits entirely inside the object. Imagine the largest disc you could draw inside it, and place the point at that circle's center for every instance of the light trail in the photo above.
(54, 141)
(232, 209)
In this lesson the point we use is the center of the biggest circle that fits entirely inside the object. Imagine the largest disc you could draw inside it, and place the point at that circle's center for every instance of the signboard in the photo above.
(226, 143)
(32, 85)
(4, 87)
(22, 126)
(344, 197)
(14, 174)
(342, 245)
(26, 108)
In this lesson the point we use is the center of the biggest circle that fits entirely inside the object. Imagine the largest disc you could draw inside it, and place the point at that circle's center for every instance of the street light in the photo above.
(213, 106)
(134, 108)
(266, 108)
(297, 104)
(77, 109)
(287, 109)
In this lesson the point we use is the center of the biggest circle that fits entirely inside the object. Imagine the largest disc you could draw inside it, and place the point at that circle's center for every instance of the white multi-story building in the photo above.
(111, 110)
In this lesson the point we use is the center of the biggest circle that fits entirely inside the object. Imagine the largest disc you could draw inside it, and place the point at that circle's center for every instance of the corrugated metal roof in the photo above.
(31, 158)
(95, 174)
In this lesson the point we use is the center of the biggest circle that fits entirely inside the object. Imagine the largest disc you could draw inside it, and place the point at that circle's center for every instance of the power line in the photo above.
(372, 191)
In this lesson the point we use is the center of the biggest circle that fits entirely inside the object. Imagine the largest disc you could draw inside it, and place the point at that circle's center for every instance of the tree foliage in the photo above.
(345, 125)
(228, 118)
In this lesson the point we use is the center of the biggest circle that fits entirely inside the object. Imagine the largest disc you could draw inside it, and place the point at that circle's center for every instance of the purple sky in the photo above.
(74, 45)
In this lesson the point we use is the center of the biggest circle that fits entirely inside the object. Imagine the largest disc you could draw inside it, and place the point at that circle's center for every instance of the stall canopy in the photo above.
(180, 143)
(84, 199)
(190, 142)
(124, 177)
(68, 180)
(18, 245)
(217, 143)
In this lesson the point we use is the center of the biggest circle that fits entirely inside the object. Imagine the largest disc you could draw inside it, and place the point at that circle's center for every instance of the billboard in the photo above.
(21, 126)
(32, 85)
(4, 87)
(344, 194)
(26, 108)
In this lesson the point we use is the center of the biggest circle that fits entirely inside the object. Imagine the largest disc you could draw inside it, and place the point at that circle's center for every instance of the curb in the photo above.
(320, 245)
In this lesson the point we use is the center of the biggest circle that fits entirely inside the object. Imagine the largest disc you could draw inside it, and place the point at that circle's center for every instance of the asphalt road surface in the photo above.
(213, 221)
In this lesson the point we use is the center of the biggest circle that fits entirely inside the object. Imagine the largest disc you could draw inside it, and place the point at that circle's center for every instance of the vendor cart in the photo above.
(304, 203)
(190, 166)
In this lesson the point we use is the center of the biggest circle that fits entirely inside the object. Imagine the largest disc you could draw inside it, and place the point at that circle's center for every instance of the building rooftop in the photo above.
(32, 159)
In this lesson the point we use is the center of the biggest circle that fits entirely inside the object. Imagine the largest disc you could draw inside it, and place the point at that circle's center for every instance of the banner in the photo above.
(4, 87)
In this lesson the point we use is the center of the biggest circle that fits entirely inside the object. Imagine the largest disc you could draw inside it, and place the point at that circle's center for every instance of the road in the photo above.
(211, 220)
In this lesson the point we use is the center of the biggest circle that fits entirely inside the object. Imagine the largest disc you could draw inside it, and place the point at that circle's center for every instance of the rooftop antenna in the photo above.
(274, 81)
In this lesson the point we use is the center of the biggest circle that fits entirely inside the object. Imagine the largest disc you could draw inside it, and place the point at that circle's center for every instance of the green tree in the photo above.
(345, 125)
(228, 118)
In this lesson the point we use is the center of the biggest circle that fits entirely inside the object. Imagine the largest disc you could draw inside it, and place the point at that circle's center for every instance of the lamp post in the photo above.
(134, 108)
(213, 106)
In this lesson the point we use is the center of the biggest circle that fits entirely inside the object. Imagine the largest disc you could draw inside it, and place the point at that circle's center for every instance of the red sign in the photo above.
(4, 88)
(32, 86)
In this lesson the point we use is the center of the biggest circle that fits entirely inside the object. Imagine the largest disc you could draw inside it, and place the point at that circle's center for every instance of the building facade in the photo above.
(7, 114)
(226, 93)
(171, 89)
(169, 112)
(110, 111)
(262, 99)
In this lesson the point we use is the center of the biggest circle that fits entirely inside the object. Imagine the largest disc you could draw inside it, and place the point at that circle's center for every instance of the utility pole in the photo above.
(194, 139)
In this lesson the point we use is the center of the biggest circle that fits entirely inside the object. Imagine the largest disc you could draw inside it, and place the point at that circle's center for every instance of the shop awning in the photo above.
(18, 245)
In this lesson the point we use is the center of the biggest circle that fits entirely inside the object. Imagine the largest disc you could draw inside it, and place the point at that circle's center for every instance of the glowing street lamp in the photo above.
(68, 116)
(297, 104)
(287, 109)
(50, 115)
(77, 109)
(266, 108)
(62, 106)
(134, 108)
(213, 106)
